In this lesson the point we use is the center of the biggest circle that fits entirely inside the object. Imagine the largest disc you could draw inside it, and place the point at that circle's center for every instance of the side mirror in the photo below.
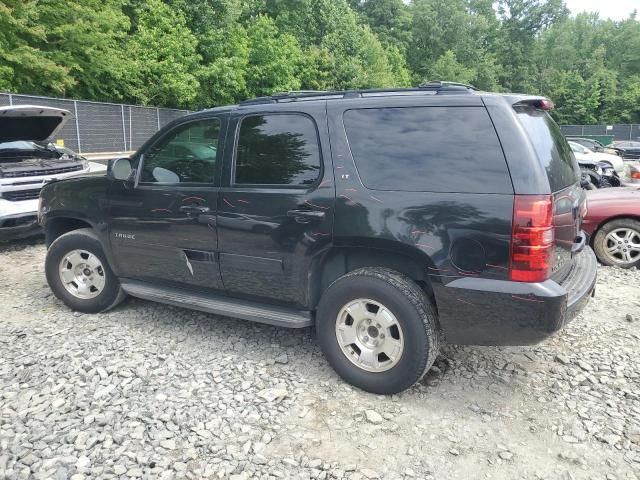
(121, 169)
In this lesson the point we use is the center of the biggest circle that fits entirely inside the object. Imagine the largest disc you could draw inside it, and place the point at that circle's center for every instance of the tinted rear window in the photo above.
(428, 149)
(277, 150)
(551, 147)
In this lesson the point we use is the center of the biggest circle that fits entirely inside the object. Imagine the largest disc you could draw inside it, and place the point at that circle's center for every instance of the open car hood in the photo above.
(31, 123)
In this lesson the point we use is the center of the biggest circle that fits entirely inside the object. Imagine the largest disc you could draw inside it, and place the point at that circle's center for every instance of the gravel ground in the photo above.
(150, 391)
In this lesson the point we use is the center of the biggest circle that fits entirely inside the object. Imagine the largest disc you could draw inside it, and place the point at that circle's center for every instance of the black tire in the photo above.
(600, 241)
(414, 312)
(82, 239)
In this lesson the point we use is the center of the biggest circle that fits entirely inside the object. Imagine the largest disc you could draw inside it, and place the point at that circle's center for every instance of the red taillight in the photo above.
(531, 238)
(635, 174)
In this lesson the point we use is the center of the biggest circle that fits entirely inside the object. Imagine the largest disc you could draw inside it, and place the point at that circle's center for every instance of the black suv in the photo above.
(392, 220)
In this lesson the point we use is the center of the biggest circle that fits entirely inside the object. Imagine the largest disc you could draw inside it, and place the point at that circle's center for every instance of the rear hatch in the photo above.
(563, 173)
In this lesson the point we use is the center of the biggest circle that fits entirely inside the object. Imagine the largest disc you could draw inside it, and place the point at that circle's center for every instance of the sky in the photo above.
(614, 9)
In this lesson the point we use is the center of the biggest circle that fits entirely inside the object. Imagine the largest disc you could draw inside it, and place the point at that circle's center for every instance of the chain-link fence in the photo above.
(619, 132)
(102, 127)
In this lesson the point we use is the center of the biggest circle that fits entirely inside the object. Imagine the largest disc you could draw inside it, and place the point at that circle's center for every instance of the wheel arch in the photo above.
(58, 226)
(340, 260)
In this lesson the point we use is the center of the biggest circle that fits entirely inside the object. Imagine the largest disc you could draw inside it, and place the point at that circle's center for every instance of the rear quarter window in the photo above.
(427, 149)
(551, 147)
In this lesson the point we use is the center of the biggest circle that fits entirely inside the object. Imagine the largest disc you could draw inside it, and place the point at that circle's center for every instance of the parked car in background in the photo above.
(595, 145)
(339, 210)
(595, 174)
(28, 160)
(583, 153)
(613, 221)
(630, 149)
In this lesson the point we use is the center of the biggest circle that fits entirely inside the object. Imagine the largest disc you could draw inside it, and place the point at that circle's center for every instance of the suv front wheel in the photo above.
(78, 273)
(378, 330)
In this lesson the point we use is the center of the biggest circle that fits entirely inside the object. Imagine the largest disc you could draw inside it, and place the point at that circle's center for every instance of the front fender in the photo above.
(77, 201)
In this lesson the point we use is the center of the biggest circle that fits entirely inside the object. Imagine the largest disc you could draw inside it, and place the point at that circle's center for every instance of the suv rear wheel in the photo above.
(78, 273)
(378, 330)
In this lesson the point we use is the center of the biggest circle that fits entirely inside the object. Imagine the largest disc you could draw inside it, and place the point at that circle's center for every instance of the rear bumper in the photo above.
(477, 311)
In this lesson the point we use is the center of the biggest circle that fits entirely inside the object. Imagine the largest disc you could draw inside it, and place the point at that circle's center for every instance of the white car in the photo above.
(28, 160)
(583, 153)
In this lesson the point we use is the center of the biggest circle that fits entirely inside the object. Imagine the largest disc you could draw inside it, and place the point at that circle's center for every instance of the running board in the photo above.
(220, 305)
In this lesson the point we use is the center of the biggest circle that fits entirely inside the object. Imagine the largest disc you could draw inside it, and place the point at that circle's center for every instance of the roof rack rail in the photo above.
(298, 92)
(302, 95)
(445, 84)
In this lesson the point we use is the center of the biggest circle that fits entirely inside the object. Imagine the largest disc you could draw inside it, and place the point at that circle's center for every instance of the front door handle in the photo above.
(305, 216)
(194, 209)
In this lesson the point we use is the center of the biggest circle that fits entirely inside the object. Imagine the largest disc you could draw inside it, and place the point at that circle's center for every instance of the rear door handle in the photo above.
(305, 216)
(194, 209)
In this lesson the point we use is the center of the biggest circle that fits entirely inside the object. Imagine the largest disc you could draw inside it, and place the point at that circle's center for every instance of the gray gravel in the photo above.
(150, 391)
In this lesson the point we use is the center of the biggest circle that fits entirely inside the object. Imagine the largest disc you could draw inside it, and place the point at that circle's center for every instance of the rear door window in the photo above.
(551, 147)
(277, 150)
(427, 149)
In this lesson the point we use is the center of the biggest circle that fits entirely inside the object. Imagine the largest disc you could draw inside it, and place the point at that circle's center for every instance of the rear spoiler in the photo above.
(540, 103)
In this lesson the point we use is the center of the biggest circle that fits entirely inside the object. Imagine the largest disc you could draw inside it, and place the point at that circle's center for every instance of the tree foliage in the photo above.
(200, 53)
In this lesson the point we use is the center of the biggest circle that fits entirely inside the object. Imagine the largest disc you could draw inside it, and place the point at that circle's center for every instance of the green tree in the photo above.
(201, 53)
(63, 47)
(88, 38)
(23, 66)
(164, 54)
(466, 28)
(575, 98)
(522, 21)
(275, 59)
(628, 102)
(447, 67)
(390, 20)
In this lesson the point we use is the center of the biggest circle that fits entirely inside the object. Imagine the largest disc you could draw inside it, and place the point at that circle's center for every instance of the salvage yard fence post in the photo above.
(75, 111)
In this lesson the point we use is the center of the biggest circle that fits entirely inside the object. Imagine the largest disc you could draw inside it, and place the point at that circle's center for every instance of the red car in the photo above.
(613, 221)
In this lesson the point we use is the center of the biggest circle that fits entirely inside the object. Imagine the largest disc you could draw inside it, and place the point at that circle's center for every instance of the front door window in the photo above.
(188, 154)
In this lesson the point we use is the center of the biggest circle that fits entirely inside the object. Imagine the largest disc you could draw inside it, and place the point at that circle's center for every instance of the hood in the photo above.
(31, 123)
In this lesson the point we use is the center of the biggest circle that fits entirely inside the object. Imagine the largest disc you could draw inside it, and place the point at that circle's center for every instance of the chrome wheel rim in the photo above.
(622, 246)
(369, 335)
(82, 274)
